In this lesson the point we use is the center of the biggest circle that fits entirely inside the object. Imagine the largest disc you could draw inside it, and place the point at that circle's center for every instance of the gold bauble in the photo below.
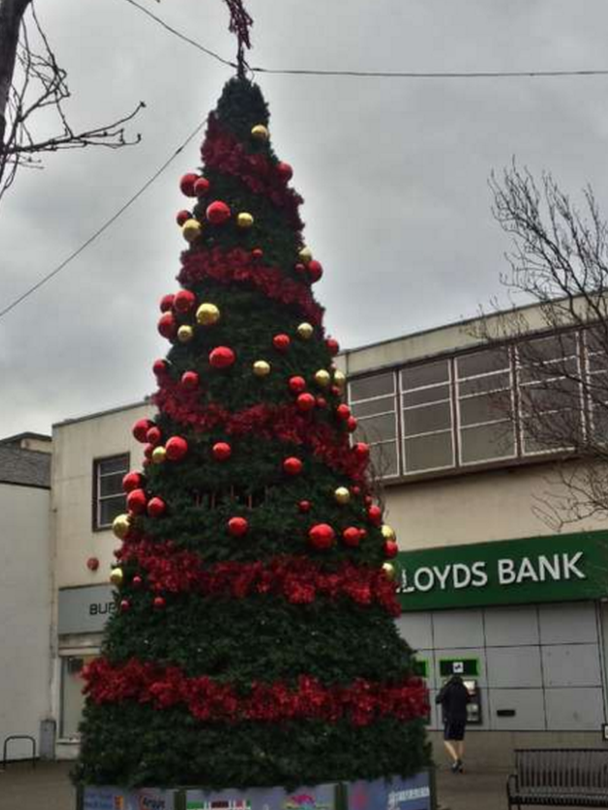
(261, 368)
(305, 255)
(342, 495)
(159, 454)
(207, 314)
(121, 525)
(185, 333)
(389, 570)
(305, 330)
(260, 132)
(322, 378)
(191, 230)
(244, 220)
(116, 576)
(388, 532)
(339, 378)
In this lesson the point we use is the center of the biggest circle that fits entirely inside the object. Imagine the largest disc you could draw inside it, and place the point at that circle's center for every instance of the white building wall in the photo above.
(25, 613)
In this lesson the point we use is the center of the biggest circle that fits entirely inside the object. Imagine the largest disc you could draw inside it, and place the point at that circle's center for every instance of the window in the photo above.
(372, 401)
(485, 406)
(108, 497)
(597, 382)
(427, 417)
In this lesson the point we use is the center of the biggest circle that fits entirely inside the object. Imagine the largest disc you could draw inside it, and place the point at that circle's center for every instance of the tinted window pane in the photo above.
(487, 408)
(437, 392)
(549, 348)
(374, 386)
(479, 385)
(483, 362)
(373, 406)
(555, 431)
(487, 442)
(109, 508)
(599, 423)
(427, 418)
(544, 371)
(111, 484)
(428, 452)
(598, 362)
(550, 396)
(378, 428)
(384, 459)
(429, 374)
(597, 339)
(115, 464)
(597, 387)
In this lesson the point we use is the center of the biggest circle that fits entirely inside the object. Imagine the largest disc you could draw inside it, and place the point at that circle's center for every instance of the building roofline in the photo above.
(117, 409)
(27, 434)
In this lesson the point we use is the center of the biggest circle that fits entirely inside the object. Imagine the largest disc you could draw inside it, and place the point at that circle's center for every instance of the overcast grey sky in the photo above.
(394, 172)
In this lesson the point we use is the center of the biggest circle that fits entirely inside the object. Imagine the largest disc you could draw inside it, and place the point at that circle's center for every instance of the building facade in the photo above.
(25, 590)
(488, 587)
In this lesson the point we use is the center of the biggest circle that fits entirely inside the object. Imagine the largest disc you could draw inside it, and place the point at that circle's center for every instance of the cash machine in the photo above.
(468, 669)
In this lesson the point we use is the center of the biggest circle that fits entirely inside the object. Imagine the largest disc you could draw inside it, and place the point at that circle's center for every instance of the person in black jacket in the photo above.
(454, 697)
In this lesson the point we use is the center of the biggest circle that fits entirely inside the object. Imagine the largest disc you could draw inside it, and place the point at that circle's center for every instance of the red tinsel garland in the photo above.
(237, 266)
(297, 579)
(361, 702)
(222, 151)
(282, 422)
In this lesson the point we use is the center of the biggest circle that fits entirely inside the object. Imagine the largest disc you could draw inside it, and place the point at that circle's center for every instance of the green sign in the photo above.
(537, 569)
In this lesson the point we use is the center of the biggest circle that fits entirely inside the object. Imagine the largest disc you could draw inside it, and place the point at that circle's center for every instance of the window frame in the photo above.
(97, 498)
(361, 420)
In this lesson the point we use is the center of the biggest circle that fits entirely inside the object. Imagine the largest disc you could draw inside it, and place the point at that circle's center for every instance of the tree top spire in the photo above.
(240, 23)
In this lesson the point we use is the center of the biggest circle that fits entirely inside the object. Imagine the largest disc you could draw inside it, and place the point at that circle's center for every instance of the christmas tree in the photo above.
(254, 641)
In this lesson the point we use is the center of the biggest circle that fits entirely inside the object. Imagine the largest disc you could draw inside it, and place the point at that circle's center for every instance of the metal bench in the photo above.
(567, 777)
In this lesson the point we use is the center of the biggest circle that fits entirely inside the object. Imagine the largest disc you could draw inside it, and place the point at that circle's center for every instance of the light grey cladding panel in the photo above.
(528, 705)
(574, 709)
(416, 629)
(507, 626)
(84, 610)
(567, 622)
(513, 667)
(458, 654)
(458, 628)
(571, 665)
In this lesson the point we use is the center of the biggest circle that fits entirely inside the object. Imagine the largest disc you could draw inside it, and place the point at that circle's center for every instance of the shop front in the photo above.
(525, 623)
(82, 614)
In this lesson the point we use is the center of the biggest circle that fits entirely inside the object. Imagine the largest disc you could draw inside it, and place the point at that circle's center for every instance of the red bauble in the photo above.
(190, 380)
(343, 412)
(281, 342)
(305, 402)
(222, 357)
(137, 581)
(201, 187)
(136, 501)
(321, 536)
(391, 549)
(159, 602)
(132, 480)
(374, 513)
(217, 213)
(333, 345)
(93, 563)
(257, 253)
(176, 448)
(186, 184)
(297, 385)
(182, 216)
(167, 325)
(300, 269)
(238, 526)
(355, 490)
(292, 465)
(361, 450)
(153, 436)
(160, 367)
(141, 428)
(351, 536)
(221, 451)
(184, 301)
(351, 424)
(148, 452)
(304, 506)
(156, 507)
(335, 390)
(166, 302)
(284, 171)
(124, 605)
(321, 402)
(314, 270)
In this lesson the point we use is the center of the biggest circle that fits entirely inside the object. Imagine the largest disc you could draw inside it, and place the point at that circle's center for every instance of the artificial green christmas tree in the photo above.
(254, 641)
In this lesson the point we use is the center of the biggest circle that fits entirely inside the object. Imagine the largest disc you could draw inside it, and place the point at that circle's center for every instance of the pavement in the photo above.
(47, 787)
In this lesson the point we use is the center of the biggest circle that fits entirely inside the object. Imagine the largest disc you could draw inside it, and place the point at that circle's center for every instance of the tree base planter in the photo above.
(416, 793)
